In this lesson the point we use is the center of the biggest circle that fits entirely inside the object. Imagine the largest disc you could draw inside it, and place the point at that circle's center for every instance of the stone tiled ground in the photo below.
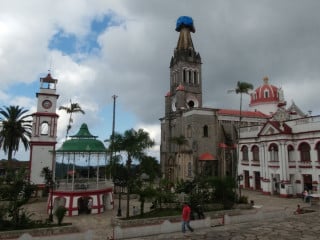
(305, 226)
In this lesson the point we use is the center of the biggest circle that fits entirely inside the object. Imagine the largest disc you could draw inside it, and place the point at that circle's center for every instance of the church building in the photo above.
(274, 148)
(281, 156)
(196, 139)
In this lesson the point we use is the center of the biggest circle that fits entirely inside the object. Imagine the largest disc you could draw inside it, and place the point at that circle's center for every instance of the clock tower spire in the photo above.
(44, 130)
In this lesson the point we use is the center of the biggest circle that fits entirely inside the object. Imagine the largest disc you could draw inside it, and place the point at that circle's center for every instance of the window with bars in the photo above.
(304, 149)
(245, 155)
(255, 153)
(274, 153)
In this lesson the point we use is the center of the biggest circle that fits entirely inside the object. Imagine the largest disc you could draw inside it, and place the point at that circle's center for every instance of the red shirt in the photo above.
(186, 213)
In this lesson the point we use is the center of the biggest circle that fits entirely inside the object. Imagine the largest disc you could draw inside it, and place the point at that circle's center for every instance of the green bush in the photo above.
(243, 199)
(60, 213)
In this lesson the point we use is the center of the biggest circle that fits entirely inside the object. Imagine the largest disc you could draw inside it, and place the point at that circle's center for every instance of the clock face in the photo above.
(46, 104)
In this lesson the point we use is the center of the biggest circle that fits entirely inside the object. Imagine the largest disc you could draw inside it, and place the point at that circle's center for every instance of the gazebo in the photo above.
(81, 184)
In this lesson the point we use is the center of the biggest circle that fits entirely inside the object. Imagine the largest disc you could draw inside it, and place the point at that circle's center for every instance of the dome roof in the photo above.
(83, 141)
(266, 93)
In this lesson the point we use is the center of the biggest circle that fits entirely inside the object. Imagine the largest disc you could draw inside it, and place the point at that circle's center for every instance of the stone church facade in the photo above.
(275, 148)
(207, 136)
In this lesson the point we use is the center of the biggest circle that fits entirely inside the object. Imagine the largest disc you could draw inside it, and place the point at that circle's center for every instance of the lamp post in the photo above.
(119, 214)
(240, 178)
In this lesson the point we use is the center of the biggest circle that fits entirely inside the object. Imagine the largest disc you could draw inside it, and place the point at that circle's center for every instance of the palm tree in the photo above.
(73, 108)
(180, 141)
(47, 174)
(133, 144)
(242, 88)
(16, 127)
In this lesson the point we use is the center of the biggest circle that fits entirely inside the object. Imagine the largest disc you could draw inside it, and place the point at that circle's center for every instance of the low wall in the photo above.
(164, 226)
(149, 227)
(38, 232)
(255, 216)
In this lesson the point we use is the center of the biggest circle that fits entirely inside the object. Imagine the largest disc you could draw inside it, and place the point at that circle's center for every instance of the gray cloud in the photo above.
(238, 41)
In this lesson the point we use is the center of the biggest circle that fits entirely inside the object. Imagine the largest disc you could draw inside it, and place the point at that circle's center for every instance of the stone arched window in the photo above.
(195, 79)
(274, 152)
(245, 155)
(205, 131)
(290, 153)
(304, 149)
(266, 94)
(190, 76)
(317, 148)
(44, 128)
(255, 153)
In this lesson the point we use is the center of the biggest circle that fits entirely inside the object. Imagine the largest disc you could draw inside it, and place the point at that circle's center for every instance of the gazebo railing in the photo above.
(83, 184)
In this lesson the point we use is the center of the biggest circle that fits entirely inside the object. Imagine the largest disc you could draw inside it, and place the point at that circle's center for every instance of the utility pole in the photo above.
(112, 136)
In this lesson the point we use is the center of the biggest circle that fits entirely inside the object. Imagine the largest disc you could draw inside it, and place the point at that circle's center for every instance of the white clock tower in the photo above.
(44, 130)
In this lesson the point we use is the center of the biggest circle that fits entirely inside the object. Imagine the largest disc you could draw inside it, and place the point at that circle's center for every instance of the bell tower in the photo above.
(44, 130)
(185, 69)
(184, 95)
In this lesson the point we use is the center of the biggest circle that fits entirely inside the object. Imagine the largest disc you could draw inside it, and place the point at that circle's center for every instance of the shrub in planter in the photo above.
(243, 199)
(60, 213)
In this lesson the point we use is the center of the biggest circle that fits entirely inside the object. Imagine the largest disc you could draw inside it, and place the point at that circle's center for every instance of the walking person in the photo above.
(89, 207)
(186, 212)
(200, 212)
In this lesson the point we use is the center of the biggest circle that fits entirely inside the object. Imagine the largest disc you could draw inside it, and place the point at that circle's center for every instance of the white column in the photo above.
(283, 162)
(73, 170)
(98, 172)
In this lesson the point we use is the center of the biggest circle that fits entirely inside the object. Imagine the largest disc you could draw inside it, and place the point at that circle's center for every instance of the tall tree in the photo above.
(16, 127)
(133, 144)
(180, 141)
(73, 108)
(47, 174)
(242, 88)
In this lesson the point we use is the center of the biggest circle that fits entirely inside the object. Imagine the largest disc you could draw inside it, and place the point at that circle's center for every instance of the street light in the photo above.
(119, 184)
(240, 178)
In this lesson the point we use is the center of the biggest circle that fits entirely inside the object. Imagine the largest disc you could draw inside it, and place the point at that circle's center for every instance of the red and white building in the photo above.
(281, 156)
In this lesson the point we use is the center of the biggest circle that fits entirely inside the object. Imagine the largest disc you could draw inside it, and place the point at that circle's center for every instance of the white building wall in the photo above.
(289, 175)
(265, 108)
(40, 159)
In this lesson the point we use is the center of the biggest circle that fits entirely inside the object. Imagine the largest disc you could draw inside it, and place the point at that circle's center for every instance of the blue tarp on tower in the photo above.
(185, 21)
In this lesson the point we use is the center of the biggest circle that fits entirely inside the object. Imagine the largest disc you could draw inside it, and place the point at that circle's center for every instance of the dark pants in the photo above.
(184, 224)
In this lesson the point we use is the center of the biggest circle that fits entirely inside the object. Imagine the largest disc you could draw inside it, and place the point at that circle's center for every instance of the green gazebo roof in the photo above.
(83, 141)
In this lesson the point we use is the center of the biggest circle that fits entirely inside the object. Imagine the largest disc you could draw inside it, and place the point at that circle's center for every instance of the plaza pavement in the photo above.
(303, 226)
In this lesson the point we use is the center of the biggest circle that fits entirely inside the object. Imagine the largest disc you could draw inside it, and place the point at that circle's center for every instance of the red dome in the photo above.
(266, 93)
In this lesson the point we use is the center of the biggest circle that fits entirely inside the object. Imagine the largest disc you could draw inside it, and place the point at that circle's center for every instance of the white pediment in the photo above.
(269, 129)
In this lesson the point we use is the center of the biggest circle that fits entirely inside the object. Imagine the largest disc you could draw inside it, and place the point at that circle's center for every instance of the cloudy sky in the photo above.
(100, 48)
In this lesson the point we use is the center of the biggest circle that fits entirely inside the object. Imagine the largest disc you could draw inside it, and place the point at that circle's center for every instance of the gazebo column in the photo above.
(68, 168)
(73, 170)
(89, 168)
(98, 171)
